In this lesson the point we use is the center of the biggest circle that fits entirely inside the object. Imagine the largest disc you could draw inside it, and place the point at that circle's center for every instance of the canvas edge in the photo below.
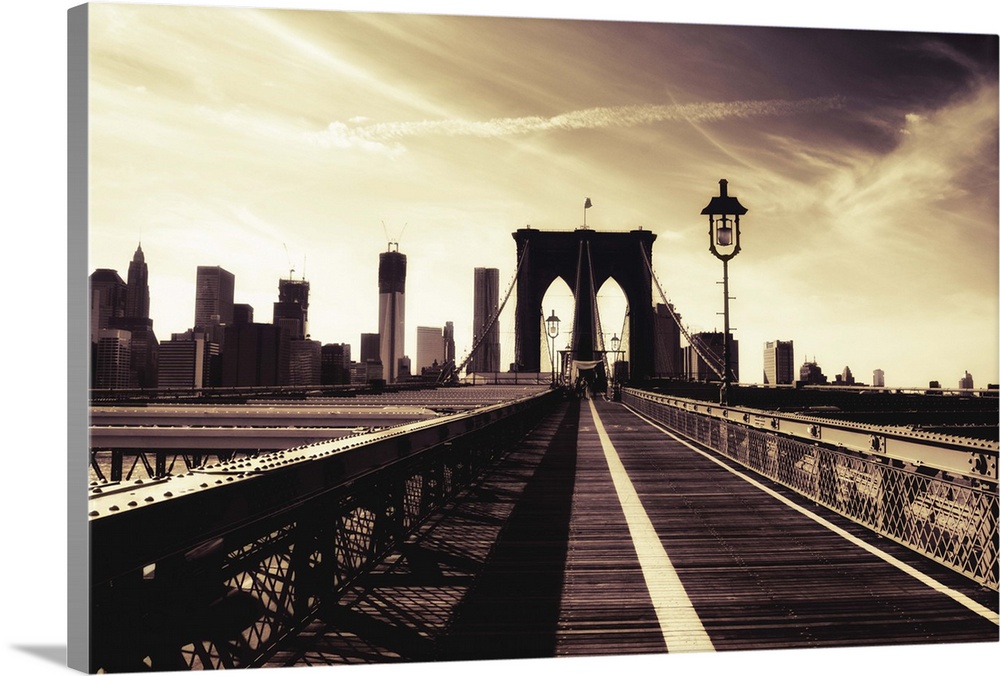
(78, 353)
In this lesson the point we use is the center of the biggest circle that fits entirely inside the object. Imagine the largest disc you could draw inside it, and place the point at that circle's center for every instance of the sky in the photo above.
(280, 143)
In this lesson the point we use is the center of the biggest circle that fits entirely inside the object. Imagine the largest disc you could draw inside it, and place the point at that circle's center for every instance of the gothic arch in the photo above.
(584, 259)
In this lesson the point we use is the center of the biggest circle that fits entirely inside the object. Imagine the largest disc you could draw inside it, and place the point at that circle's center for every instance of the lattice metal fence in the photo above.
(951, 519)
(226, 601)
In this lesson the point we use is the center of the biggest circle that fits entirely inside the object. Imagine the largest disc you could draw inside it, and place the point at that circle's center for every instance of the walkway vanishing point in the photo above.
(604, 533)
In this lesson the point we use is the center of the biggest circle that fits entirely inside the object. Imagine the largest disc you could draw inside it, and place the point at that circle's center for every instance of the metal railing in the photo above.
(213, 568)
(939, 511)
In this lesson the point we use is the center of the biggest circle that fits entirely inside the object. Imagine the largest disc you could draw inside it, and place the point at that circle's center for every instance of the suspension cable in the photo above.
(710, 358)
(449, 374)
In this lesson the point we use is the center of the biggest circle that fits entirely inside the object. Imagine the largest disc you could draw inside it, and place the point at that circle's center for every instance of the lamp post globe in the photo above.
(724, 213)
(552, 330)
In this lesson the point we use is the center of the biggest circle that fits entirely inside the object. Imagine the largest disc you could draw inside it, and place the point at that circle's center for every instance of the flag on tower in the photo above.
(587, 204)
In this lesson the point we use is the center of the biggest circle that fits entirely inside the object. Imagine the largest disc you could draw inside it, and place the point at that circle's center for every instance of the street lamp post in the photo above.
(552, 330)
(724, 214)
(615, 342)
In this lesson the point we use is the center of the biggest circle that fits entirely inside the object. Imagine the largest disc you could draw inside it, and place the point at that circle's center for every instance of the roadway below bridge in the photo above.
(605, 534)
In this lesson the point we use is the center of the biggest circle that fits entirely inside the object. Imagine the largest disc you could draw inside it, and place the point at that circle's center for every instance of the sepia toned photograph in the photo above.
(424, 338)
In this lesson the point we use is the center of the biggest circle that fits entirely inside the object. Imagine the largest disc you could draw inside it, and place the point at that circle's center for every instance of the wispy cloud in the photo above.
(371, 136)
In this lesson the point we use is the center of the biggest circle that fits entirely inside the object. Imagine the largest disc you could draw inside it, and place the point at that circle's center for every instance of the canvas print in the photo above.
(416, 338)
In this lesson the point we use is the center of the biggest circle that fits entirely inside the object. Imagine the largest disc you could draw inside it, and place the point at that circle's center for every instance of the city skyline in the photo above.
(306, 142)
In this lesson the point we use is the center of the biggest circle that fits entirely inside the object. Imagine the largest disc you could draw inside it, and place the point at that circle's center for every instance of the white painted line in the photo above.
(679, 622)
(958, 596)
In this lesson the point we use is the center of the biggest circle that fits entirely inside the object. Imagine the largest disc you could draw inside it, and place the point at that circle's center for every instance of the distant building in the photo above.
(369, 348)
(144, 368)
(430, 348)
(304, 359)
(292, 308)
(696, 368)
(391, 310)
(145, 347)
(117, 305)
(485, 302)
(213, 302)
(965, 382)
(449, 342)
(252, 353)
(113, 359)
(846, 377)
(779, 362)
(108, 293)
(242, 313)
(335, 364)
(187, 361)
(403, 368)
(811, 374)
(668, 358)
(366, 371)
(878, 378)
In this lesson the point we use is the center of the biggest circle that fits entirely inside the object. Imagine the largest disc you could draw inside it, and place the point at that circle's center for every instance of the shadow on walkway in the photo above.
(481, 580)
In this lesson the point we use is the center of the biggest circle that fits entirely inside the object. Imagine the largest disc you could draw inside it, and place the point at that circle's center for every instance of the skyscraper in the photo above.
(668, 360)
(370, 346)
(145, 347)
(293, 306)
(430, 348)
(878, 378)
(113, 359)
(391, 310)
(304, 362)
(779, 362)
(449, 341)
(811, 374)
(252, 353)
(965, 382)
(137, 294)
(485, 301)
(108, 293)
(335, 364)
(696, 368)
(213, 302)
(186, 361)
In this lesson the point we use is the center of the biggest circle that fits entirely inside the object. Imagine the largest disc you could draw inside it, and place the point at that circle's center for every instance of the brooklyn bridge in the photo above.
(588, 510)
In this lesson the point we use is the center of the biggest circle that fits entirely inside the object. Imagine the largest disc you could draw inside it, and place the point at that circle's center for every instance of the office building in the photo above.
(391, 310)
(304, 359)
(112, 359)
(213, 303)
(370, 346)
(449, 342)
(145, 347)
(430, 348)
(335, 364)
(292, 308)
(696, 368)
(779, 362)
(965, 382)
(485, 302)
(365, 372)
(811, 374)
(668, 358)
(878, 378)
(137, 293)
(187, 361)
(108, 293)
(252, 352)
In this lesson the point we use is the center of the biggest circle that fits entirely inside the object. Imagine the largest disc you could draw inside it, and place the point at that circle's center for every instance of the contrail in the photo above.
(593, 118)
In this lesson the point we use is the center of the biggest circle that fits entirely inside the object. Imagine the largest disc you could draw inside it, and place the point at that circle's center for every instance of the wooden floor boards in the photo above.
(536, 560)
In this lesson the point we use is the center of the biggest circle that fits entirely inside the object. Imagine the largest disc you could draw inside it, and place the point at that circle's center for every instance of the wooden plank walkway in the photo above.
(537, 560)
